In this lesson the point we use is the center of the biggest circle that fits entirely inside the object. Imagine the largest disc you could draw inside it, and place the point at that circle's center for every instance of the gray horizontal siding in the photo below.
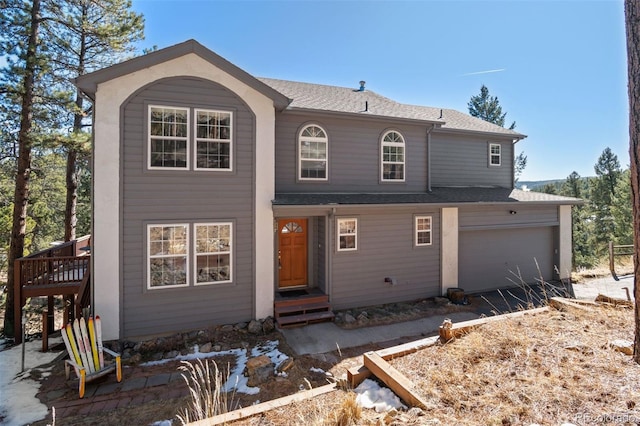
(354, 156)
(185, 196)
(463, 161)
(386, 249)
(501, 217)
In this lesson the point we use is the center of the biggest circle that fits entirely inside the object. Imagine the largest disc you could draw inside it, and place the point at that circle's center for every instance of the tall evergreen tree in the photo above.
(20, 25)
(621, 210)
(487, 108)
(582, 227)
(602, 193)
(88, 35)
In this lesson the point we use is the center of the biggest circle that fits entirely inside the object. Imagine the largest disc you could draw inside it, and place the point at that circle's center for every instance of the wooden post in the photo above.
(612, 266)
(45, 331)
(17, 302)
(50, 310)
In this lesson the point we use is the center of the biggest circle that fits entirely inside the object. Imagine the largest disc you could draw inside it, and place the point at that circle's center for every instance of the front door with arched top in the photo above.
(292, 253)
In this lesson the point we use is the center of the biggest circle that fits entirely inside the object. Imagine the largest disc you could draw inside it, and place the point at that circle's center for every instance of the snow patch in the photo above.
(237, 380)
(19, 405)
(372, 395)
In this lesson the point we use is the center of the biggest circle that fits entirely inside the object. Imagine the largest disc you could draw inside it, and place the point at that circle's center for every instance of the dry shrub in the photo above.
(205, 388)
(348, 413)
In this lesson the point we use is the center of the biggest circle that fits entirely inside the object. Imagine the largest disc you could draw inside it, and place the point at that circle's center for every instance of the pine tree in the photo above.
(487, 108)
(89, 35)
(632, 24)
(602, 193)
(582, 226)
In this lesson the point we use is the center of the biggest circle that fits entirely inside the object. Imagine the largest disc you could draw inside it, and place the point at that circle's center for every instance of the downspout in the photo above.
(328, 251)
(429, 157)
(513, 163)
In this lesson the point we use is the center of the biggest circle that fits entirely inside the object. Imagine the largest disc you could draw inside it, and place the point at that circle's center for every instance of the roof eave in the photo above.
(515, 135)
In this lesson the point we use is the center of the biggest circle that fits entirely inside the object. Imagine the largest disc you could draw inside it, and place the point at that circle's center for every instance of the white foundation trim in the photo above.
(449, 248)
(565, 243)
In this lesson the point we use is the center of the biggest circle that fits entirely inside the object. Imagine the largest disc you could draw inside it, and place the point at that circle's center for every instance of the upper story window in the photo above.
(312, 153)
(423, 231)
(393, 157)
(347, 234)
(495, 154)
(170, 139)
(213, 140)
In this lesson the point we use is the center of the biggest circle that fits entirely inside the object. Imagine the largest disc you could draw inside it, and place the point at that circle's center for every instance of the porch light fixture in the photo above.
(513, 212)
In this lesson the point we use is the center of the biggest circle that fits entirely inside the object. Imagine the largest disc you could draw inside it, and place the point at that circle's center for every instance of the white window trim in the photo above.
(404, 156)
(339, 234)
(195, 253)
(196, 139)
(491, 154)
(149, 137)
(418, 231)
(325, 140)
(149, 256)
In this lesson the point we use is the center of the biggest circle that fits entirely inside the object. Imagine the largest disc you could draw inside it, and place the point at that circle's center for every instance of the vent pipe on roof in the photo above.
(362, 83)
(440, 118)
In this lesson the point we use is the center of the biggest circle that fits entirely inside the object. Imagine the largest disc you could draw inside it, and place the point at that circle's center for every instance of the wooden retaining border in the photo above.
(374, 363)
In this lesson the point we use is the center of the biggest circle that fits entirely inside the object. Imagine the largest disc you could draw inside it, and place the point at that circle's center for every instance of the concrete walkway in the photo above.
(325, 337)
(606, 285)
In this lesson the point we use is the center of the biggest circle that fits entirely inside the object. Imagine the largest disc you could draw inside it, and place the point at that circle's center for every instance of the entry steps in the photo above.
(302, 310)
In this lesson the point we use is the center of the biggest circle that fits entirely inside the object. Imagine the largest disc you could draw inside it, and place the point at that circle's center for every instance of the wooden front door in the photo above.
(292, 252)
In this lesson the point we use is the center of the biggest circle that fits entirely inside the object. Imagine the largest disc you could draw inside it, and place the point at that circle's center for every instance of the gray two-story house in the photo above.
(216, 192)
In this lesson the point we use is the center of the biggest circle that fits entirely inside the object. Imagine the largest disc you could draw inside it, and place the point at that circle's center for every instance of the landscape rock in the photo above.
(349, 319)
(216, 348)
(268, 325)
(206, 348)
(254, 327)
(259, 370)
(285, 365)
(621, 345)
(363, 316)
(240, 326)
(441, 301)
(226, 328)
(171, 354)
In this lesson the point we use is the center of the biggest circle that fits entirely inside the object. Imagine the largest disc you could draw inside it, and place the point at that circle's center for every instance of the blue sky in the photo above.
(559, 67)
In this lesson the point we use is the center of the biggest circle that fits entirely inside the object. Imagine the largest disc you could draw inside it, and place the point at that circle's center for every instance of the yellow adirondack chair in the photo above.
(83, 341)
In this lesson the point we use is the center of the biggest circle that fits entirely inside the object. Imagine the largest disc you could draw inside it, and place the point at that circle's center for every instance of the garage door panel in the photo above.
(493, 259)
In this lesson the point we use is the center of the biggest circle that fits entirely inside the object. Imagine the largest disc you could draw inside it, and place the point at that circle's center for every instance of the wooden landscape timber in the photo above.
(612, 300)
(265, 406)
(396, 381)
(562, 304)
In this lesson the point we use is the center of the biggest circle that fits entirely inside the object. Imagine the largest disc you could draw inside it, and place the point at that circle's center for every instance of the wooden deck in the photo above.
(62, 270)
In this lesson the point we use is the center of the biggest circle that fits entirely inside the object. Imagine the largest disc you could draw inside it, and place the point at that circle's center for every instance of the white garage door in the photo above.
(487, 258)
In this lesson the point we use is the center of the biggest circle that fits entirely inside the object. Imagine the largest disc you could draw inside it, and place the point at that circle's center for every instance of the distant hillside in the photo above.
(535, 185)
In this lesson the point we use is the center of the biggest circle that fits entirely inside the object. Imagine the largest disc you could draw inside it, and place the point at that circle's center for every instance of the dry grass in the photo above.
(546, 369)
(205, 389)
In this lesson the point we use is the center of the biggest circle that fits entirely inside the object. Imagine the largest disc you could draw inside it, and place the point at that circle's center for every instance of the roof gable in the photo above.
(88, 83)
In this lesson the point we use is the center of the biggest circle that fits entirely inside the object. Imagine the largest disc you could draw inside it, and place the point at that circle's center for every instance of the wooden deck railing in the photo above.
(57, 271)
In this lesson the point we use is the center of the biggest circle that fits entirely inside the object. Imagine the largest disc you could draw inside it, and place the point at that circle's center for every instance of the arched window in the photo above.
(312, 153)
(392, 167)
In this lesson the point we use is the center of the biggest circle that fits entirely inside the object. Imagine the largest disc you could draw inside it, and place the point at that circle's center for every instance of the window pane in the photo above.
(348, 242)
(168, 271)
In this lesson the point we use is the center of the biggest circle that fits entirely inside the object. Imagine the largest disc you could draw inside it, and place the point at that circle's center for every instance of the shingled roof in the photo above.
(440, 196)
(345, 100)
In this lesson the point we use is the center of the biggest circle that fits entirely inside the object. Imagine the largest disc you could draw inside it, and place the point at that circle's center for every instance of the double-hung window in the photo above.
(213, 140)
(174, 142)
(423, 231)
(495, 154)
(312, 153)
(172, 253)
(213, 252)
(168, 253)
(168, 138)
(393, 157)
(347, 234)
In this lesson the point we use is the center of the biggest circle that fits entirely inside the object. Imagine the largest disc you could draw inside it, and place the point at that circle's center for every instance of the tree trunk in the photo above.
(70, 218)
(21, 196)
(632, 21)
